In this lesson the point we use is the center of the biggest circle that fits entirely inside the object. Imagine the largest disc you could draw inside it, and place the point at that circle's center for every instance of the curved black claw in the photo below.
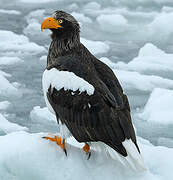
(89, 155)
(65, 151)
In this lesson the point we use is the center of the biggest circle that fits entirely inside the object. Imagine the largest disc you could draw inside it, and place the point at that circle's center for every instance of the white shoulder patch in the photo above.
(66, 80)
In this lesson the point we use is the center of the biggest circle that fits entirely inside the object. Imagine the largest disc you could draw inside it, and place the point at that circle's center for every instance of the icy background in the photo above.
(135, 38)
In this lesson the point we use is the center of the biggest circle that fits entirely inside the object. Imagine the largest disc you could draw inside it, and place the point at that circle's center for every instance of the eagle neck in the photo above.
(61, 47)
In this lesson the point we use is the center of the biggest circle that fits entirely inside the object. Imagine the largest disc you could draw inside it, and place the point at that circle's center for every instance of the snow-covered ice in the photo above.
(42, 115)
(28, 156)
(9, 127)
(150, 59)
(15, 43)
(12, 12)
(10, 60)
(95, 47)
(81, 17)
(136, 81)
(112, 23)
(7, 89)
(134, 38)
(4, 105)
(159, 107)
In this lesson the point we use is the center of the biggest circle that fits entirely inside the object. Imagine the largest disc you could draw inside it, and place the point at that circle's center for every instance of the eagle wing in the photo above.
(103, 116)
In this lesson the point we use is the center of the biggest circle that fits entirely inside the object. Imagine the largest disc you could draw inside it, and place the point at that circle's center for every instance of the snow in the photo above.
(10, 60)
(9, 41)
(115, 23)
(4, 105)
(136, 81)
(37, 158)
(162, 26)
(66, 80)
(81, 18)
(12, 12)
(42, 115)
(135, 38)
(92, 6)
(95, 47)
(9, 127)
(43, 58)
(150, 58)
(8, 89)
(37, 2)
(34, 19)
(159, 107)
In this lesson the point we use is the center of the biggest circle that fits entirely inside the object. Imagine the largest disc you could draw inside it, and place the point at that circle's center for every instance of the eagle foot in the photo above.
(60, 142)
(86, 148)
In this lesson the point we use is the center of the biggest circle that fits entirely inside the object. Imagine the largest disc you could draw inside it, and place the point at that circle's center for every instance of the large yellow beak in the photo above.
(50, 23)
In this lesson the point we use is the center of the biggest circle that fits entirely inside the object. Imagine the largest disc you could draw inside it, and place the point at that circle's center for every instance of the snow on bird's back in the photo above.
(66, 80)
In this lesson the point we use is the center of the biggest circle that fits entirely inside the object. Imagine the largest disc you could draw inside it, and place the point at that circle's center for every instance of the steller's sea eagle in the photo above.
(85, 94)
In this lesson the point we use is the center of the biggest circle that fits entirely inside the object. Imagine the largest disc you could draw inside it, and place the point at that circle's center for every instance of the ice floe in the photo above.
(149, 59)
(42, 115)
(12, 12)
(9, 127)
(5, 60)
(4, 105)
(96, 47)
(17, 44)
(37, 158)
(112, 23)
(159, 107)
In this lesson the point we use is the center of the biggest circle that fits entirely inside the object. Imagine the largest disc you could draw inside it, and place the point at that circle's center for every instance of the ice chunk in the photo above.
(42, 115)
(35, 16)
(9, 127)
(96, 47)
(114, 23)
(161, 26)
(81, 17)
(10, 60)
(4, 105)
(10, 41)
(168, 142)
(43, 58)
(7, 89)
(150, 58)
(136, 81)
(13, 12)
(37, 2)
(36, 158)
(92, 6)
(32, 30)
(159, 107)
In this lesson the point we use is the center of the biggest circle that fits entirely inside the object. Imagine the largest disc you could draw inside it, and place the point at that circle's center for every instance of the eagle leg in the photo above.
(59, 142)
(86, 148)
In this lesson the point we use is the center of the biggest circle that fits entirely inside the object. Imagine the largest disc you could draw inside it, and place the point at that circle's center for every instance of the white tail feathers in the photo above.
(133, 159)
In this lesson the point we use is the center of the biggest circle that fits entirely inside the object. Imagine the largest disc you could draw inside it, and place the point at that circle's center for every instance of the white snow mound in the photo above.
(42, 114)
(28, 156)
(150, 58)
(9, 127)
(95, 47)
(9, 41)
(159, 107)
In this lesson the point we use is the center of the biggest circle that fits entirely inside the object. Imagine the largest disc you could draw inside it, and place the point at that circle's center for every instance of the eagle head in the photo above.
(62, 25)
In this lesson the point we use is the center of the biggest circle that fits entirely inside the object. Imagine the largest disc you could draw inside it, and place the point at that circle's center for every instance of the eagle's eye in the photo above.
(60, 21)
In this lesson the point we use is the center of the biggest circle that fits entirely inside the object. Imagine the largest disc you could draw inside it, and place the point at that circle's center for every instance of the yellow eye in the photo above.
(60, 21)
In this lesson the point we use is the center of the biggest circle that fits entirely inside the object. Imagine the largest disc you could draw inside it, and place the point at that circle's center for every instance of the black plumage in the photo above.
(103, 116)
